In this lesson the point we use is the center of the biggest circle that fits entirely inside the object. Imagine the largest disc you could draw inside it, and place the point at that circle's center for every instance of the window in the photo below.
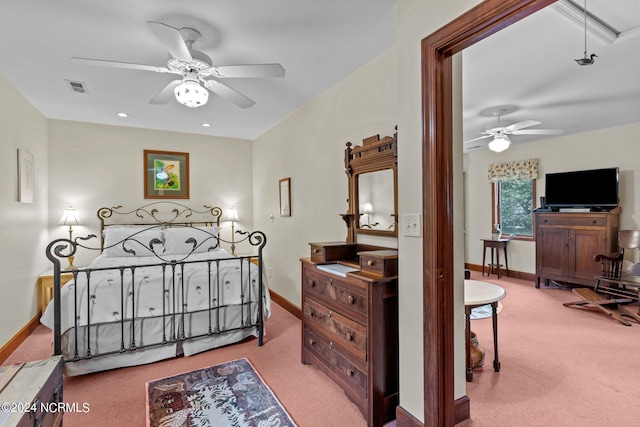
(514, 195)
(513, 206)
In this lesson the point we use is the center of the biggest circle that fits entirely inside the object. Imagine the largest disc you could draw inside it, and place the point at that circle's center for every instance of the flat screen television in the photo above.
(594, 188)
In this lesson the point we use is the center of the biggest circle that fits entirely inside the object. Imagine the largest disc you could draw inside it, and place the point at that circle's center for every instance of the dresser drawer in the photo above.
(351, 335)
(332, 251)
(582, 220)
(379, 263)
(348, 295)
(339, 364)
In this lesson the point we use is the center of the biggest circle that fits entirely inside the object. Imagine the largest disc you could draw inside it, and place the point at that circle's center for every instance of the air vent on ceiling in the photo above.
(78, 87)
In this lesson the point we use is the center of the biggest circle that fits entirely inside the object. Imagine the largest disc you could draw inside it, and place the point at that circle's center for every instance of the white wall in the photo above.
(23, 226)
(308, 147)
(591, 150)
(93, 166)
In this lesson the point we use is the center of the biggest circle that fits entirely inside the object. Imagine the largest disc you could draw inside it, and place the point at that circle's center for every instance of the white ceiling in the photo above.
(531, 66)
(317, 42)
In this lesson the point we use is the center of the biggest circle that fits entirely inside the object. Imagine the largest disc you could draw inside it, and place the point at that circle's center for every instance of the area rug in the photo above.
(483, 311)
(228, 395)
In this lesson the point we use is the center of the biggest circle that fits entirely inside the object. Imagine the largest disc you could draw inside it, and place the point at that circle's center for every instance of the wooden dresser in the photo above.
(567, 242)
(350, 324)
(32, 393)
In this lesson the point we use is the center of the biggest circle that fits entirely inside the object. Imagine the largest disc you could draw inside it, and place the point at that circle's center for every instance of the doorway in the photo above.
(438, 48)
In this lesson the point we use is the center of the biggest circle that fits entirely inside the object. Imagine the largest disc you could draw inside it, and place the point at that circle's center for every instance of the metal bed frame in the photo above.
(158, 215)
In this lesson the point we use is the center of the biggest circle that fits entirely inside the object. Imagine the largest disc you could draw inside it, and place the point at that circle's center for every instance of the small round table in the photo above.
(476, 294)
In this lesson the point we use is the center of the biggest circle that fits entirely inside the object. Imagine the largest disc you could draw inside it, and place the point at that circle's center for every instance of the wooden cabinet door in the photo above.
(584, 245)
(552, 251)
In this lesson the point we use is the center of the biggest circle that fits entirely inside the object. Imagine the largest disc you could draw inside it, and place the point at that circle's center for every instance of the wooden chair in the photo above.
(617, 282)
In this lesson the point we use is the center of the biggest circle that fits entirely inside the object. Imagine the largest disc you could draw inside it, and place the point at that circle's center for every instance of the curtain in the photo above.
(511, 171)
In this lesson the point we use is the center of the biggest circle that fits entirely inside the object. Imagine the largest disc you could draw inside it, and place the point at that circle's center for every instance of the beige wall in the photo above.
(308, 147)
(601, 149)
(92, 166)
(23, 226)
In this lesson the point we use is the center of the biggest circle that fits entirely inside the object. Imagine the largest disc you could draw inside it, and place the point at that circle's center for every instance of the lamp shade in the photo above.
(499, 143)
(367, 208)
(232, 215)
(70, 217)
(191, 94)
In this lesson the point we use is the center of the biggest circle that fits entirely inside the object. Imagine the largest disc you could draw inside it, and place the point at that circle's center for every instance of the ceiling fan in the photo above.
(501, 141)
(195, 68)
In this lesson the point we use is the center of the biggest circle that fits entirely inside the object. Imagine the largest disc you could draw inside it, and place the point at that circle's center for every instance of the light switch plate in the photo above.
(411, 225)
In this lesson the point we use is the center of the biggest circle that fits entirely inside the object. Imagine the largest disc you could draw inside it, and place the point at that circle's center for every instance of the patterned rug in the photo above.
(228, 395)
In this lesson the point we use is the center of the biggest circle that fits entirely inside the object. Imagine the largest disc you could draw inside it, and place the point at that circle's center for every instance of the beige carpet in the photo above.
(560, 366)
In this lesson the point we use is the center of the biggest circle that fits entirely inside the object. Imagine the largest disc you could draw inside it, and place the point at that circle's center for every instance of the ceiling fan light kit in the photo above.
(191, 94)
(499, 143)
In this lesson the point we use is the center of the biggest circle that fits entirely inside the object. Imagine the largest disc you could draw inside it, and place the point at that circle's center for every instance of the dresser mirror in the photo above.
(376, 207)
(373, 182)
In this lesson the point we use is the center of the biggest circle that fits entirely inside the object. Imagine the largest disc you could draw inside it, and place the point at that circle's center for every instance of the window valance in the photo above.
(511, 171)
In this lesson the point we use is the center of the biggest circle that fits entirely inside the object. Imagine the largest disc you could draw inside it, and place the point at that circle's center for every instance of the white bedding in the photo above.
(100, 305)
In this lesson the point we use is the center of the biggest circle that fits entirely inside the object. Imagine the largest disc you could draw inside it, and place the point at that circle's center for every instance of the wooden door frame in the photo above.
(437, 49)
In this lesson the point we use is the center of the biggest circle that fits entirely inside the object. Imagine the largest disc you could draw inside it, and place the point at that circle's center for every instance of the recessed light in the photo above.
(122, 115)
(206, 125)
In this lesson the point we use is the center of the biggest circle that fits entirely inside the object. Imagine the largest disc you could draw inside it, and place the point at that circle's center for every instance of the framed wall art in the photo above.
(285, 197)
(25, 176)
(166, 175)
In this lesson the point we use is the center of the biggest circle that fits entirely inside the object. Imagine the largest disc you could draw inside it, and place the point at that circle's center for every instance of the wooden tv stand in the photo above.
(567, 242)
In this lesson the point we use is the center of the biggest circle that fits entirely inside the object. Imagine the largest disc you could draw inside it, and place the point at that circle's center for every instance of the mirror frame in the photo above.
(373, 155)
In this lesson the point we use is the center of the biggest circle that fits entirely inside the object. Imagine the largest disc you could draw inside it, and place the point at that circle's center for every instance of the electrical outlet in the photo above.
(411, 225)
(269, 272)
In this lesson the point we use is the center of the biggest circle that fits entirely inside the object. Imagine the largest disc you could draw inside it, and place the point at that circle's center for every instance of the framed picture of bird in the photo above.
(166, 175)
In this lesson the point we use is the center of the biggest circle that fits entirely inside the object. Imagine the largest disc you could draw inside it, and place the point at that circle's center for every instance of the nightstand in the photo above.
(45, 287)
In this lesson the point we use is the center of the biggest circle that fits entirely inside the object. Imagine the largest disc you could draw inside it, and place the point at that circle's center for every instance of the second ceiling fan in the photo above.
(198, 74)
(501, 141)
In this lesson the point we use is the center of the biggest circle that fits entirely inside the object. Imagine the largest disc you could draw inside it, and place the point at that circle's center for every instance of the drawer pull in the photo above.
(312, 341)
(371, 262)
(312, 283)
(317, 251)
(351, 372)
(349, 336)
(330, 313)
(351, 299)
(330, 344)
(331, 280)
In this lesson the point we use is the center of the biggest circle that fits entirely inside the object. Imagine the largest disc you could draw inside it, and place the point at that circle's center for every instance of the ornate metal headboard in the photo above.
(165, 214)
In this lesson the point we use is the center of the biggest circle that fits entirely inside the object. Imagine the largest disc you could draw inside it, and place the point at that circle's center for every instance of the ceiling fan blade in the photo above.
(538, 132)
(476, 139)
(522, 125)
(247, 71)
(166, 94)
(226, 92)
(172, 39)
(115, 64)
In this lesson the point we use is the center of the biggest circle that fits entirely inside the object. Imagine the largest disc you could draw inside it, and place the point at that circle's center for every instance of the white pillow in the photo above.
(175, 239)
(132, 238)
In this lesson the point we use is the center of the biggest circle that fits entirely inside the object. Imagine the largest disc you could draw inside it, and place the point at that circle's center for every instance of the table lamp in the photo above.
(70, 217)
